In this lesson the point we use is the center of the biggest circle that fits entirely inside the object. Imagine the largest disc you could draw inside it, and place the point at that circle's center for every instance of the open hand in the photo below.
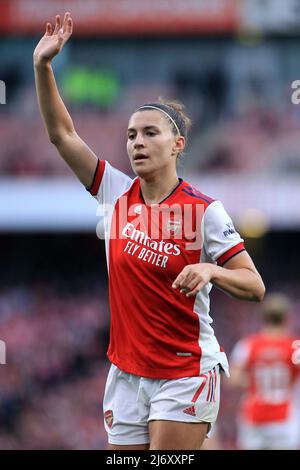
(53, 41)
(193, 278)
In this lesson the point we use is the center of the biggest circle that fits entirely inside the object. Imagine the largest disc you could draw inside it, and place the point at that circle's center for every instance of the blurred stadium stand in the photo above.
(232, 64)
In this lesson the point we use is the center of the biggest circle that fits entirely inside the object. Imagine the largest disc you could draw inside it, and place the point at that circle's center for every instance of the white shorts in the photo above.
(271, 436)
(130, 402)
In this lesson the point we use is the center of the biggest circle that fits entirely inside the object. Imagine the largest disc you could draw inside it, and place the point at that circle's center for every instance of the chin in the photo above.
(142, 172)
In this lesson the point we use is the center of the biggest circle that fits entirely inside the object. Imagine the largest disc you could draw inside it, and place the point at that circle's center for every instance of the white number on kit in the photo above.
(2, 352)
(2, 92)
(296, 94)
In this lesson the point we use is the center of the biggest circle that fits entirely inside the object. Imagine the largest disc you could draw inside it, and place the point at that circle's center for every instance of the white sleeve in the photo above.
(240, 353)
(108, 183)
(221, 240)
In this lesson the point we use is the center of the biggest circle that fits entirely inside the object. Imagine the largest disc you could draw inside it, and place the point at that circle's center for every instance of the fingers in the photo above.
(184, 278)
(57, 24)
(66, 16)
(70, 26)
(191, 280)
(67, 23)
(186, 283)
(178, 280)
(189, 285)
(192, 288)
(61, 27)
(48, 29)
(197, 289)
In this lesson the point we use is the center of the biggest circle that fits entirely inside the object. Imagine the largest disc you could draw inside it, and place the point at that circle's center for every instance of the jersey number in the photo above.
(273, 382)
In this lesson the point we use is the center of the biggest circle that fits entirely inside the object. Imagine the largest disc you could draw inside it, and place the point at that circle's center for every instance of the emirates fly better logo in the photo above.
(164, 222)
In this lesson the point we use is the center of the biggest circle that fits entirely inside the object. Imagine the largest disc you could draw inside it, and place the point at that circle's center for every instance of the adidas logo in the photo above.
(190, 411)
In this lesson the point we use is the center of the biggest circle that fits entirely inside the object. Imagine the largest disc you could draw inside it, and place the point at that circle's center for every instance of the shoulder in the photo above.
(251, 339)
(195, 195)
(133, 187)
(241, 350)
(108, 182)
(256, 339)
(249, 342)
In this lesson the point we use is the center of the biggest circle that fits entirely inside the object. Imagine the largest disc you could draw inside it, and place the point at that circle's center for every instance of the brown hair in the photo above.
(182, 120)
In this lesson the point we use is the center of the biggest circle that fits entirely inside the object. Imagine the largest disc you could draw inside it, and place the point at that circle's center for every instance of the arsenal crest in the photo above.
(174, 226)
(109, 417)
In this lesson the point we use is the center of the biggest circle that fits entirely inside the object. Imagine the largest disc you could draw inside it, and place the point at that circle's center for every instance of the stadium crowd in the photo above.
(52, 385)
(55, 368)
(267, 136)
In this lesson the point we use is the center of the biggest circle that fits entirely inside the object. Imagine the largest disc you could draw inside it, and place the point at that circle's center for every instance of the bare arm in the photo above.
(238, 279)
(58, 122)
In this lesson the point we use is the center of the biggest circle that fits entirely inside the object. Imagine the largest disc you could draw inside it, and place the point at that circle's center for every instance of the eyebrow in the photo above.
(146, 128)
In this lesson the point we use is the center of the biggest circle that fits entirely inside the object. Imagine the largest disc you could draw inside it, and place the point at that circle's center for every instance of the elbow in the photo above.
(259, 293)
(55, 139)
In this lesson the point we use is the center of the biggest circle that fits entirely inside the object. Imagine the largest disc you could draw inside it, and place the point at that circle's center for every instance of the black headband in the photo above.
(170, 112)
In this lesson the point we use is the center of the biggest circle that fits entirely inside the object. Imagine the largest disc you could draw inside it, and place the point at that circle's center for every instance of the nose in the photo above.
(139, 141)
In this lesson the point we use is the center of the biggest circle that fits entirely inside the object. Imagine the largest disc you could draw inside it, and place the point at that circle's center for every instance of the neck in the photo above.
(158, 188)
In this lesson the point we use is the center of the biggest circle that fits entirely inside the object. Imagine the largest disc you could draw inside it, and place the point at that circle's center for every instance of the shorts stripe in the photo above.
(212, 387)
(209, 386)
(216, 377)
(197, 394)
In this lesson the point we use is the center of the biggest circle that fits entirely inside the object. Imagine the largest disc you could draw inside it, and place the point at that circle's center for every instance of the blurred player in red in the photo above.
(166, 244)
(267, 366)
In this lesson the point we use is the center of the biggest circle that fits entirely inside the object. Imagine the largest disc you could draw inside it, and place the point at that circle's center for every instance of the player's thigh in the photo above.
(174, 435)
(129, 447)
(181, 410)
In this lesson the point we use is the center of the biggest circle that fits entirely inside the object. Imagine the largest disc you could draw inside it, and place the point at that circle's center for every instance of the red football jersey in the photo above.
(156, 331)
(272, 365)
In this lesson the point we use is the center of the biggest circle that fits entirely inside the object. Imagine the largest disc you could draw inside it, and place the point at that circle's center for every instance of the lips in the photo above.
(139, 156)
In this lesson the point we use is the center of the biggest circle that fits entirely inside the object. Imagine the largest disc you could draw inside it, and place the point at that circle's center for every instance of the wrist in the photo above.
(214, 270)
(41, 62)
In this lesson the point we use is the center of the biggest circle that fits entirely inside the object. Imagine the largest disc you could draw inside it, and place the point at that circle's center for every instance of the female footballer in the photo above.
(166, 244)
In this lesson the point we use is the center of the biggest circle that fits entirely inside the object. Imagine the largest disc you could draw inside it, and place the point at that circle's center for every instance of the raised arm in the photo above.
(58, 122)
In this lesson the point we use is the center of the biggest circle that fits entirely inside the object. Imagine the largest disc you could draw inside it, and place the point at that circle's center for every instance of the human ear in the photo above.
(179, 144)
